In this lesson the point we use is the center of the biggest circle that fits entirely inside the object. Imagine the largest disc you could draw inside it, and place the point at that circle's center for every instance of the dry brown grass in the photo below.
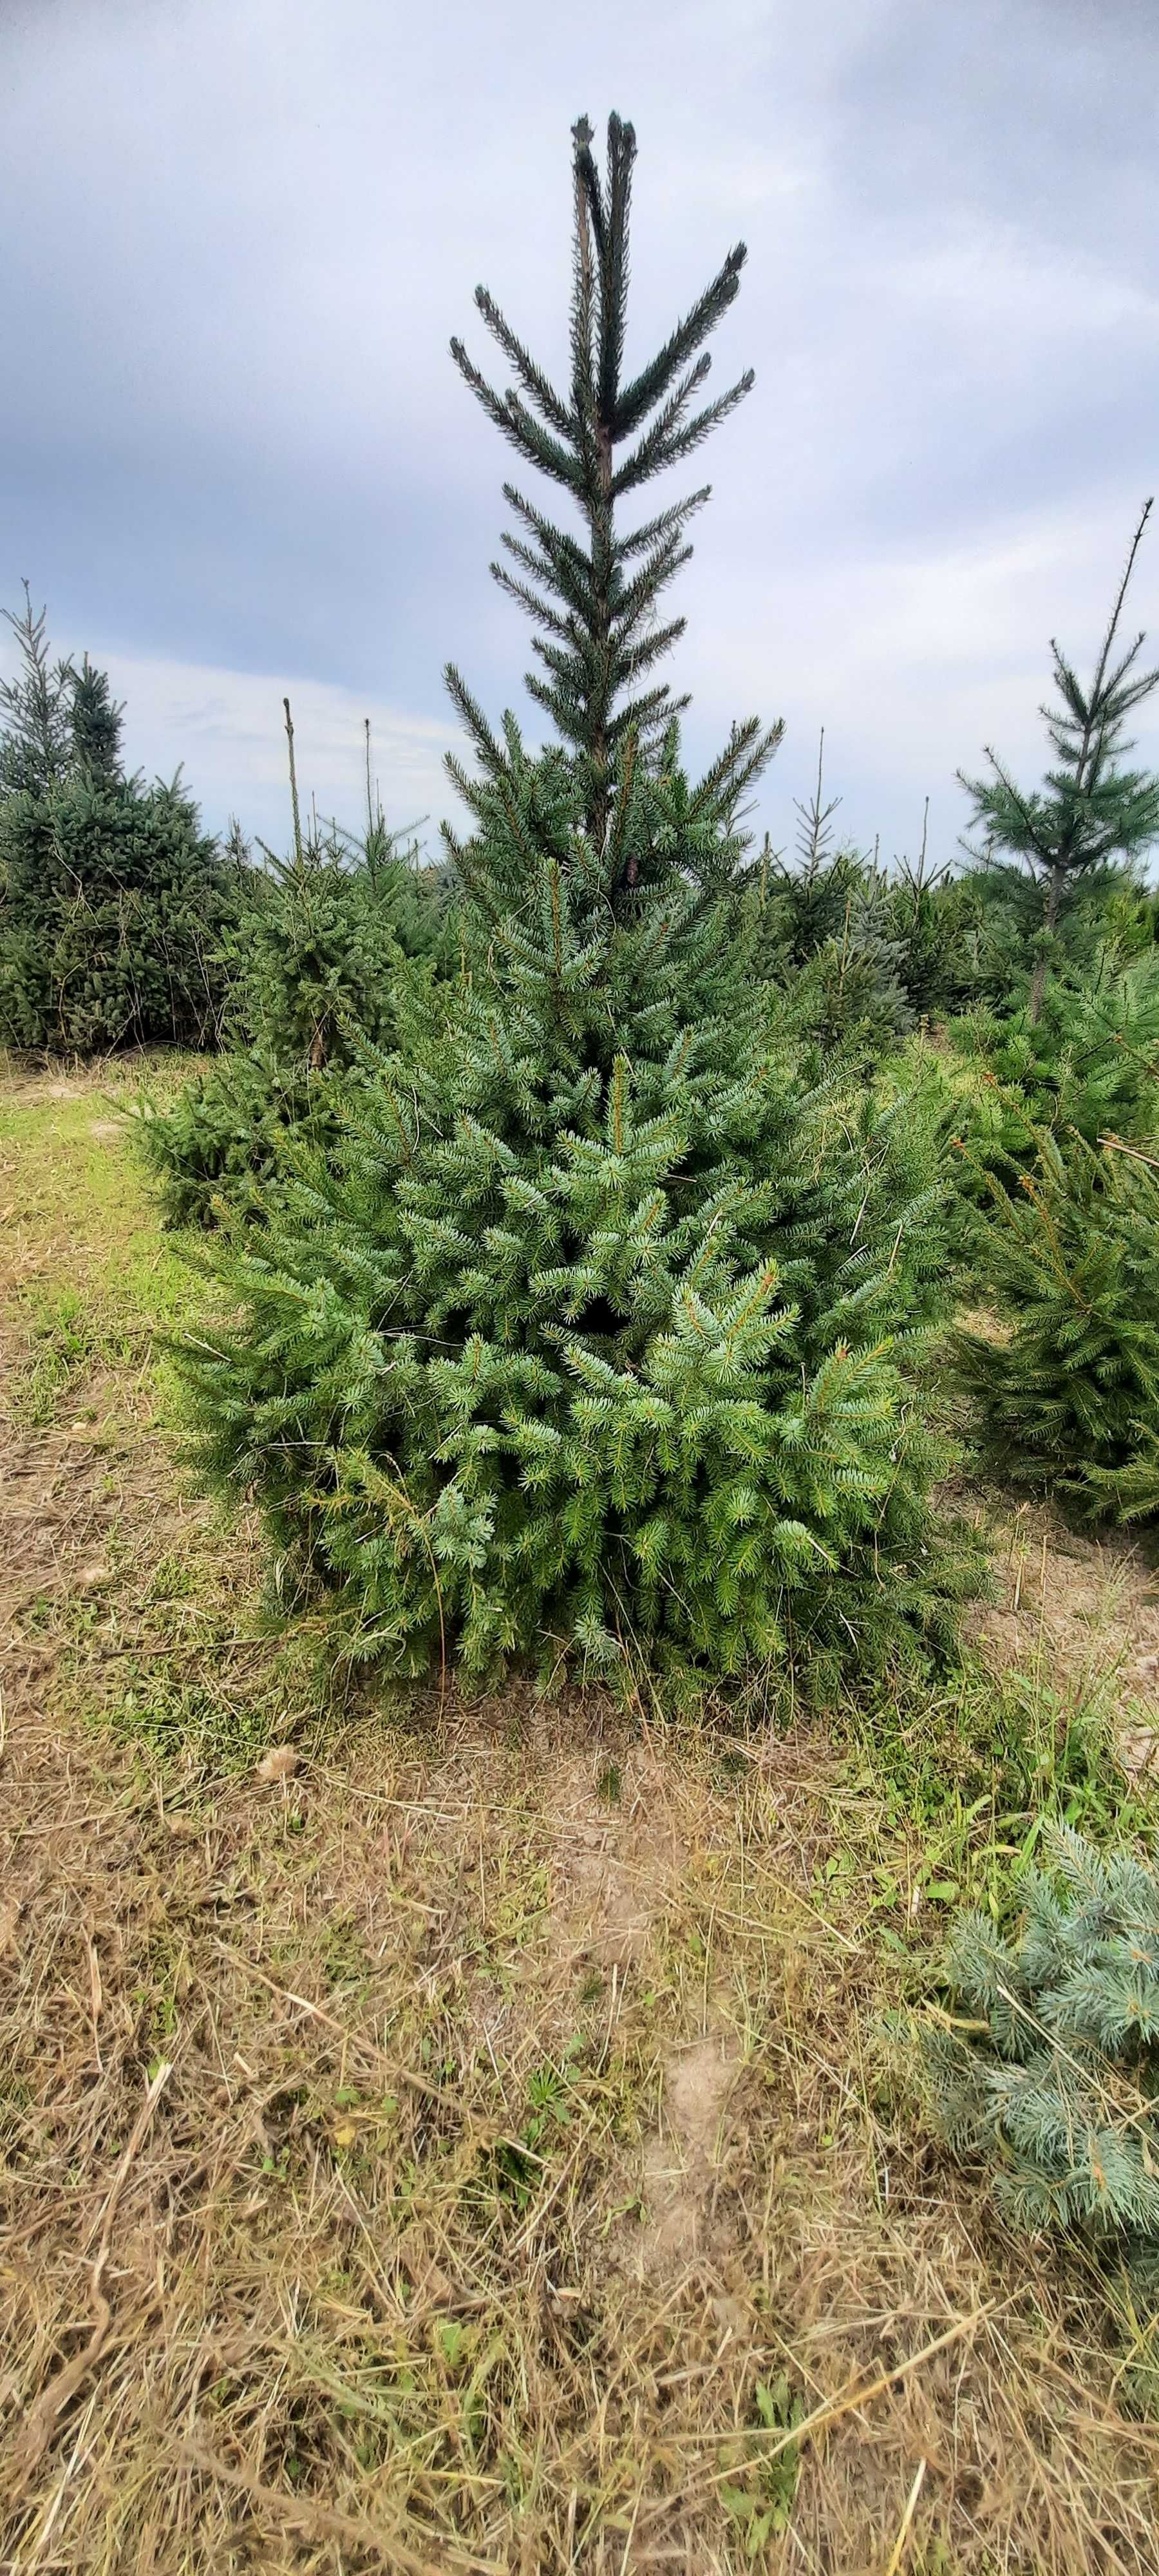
(420, 2158)
(1081, 1611)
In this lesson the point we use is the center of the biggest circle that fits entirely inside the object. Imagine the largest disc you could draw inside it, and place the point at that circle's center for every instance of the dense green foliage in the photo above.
(593, 600)
(113, 903)
(586, 1257)
(1066, 1391)
(1090, 809)
(825, 934)
(1091, 1062)
(592, 1334)
(36, 738)
(314, 964)
(113, 906)
(1058, 2089)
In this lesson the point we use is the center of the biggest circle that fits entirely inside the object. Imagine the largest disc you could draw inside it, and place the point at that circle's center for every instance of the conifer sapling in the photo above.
(1089, 809)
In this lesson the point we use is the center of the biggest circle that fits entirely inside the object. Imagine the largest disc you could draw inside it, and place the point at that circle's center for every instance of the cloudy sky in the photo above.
(236, 460)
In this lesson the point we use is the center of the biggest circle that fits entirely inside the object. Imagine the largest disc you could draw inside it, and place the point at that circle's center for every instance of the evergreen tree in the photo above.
(314, 959)
(94, 728)
(809, 897)
(1090, 809)
(1090, 1063)
(112, 908)
(935, 919)
(1054, 2077)
(35, 710)
(591, 1333)
(594, 597)
(1067, 1393)
(827, 935)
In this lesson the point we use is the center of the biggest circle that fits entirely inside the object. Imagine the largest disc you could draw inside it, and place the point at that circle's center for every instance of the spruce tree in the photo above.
(1067, 1393)
(113, 903)
(593, 597)
(827, 934)
(1051, 2076)
(35, 710)
(590, 1335)
(1090, 809)
(94, 728)
(314, 958)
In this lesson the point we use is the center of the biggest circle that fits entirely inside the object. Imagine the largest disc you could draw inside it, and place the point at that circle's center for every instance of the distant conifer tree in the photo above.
(1090, 809)
(35, 709)
(112, 900)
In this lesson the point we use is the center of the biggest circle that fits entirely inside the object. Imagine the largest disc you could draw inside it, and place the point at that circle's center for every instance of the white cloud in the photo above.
(227, 729)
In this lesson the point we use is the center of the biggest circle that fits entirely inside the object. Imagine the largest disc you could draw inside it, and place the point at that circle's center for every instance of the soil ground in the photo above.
(487, 2136)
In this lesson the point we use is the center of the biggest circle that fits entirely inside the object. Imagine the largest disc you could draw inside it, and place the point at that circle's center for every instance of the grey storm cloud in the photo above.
(236, 459)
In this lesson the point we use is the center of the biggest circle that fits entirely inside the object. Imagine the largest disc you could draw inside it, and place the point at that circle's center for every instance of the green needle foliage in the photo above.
(319, 946)
(593, 596)
(593, 1336)
(1055, 2083)
(1067, 1394)
(95, 727)
(1091, 1062)
(860, 953)
(1090, 810)
(113, 903)
(35, 709)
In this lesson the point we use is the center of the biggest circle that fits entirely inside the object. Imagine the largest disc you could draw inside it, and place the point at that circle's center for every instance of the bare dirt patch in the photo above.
(617, 1848)
(680, 2163)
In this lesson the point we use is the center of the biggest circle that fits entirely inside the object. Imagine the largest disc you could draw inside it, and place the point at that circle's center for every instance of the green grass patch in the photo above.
(86, 1273)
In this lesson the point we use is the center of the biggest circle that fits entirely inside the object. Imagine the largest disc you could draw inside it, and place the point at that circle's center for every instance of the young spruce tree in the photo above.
(1089, 810)
(112, 900)
(314, 956)
(588, 1335)
(1050, 2077)
(35, 709)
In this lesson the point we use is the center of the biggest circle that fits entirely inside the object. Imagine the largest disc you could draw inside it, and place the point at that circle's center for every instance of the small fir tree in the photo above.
(113, 904)
(826, 934)
(1091, 1063)
(1067, 1393)
(1052, 2076)
(1090, 810)
(935, 919)
(35, 710)
(314, 960)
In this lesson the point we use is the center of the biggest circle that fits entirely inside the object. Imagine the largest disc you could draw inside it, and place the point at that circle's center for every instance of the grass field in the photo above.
(458, 2136)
